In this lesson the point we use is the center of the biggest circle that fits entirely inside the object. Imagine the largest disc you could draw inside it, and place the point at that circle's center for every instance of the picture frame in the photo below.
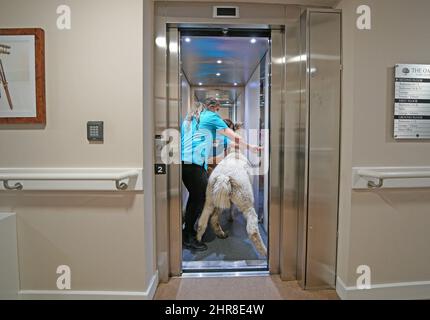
(22, 76)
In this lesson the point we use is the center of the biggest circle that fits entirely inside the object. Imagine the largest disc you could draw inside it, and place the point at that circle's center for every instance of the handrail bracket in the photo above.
(122, 186)
(373, 185)
(17, 187)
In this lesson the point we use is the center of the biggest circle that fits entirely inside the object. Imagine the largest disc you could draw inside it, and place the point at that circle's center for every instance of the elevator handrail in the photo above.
(117, 177)
(381, 176)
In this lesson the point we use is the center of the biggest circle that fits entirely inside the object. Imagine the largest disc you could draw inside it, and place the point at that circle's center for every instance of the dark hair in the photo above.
(233, 126)
(229, 123)
(211, 102)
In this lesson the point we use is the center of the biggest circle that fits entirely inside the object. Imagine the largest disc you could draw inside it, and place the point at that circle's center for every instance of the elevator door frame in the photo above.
(173, 72)
(169, 245)
(239, 265)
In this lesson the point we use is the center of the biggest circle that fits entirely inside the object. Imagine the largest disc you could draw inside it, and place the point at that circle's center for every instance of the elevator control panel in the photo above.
(95, 131)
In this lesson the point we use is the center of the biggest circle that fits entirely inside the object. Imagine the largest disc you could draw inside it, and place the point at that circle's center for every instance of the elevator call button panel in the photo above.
(95, 131)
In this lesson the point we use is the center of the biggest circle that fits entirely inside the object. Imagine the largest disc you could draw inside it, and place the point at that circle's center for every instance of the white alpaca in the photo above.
(230, 182)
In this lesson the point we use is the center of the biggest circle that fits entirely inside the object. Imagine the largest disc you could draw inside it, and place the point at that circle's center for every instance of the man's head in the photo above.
(212, 104)
(233, 126)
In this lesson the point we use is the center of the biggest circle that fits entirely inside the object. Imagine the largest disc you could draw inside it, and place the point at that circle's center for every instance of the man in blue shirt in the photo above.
(198, 132)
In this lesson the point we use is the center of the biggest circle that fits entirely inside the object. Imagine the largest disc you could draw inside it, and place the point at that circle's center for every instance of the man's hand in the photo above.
(255, 148)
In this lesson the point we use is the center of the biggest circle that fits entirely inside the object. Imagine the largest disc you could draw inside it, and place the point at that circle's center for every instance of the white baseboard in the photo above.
(419, 290)
(91, 295)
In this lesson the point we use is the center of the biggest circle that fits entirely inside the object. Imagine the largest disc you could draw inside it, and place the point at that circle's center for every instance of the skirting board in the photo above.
(419, 290)
(91, 295)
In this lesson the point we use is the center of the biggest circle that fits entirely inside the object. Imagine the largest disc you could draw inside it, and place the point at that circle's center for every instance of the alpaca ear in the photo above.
(238, 126)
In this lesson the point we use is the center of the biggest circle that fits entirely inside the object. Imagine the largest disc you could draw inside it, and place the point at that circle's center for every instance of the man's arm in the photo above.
(239, 140)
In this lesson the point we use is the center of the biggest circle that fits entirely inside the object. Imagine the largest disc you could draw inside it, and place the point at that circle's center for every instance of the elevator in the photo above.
(277, 70)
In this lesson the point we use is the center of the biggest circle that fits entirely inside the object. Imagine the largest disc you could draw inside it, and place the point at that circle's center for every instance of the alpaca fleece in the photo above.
(230, 182)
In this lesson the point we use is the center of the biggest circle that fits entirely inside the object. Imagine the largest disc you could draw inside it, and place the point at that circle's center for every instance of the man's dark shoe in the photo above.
(192, 244)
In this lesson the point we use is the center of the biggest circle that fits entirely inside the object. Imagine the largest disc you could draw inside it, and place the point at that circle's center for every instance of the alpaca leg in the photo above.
(216, 225)
(204, 218)
(253, 231)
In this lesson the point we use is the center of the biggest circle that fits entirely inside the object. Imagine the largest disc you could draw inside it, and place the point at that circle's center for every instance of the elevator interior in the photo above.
(232, 66)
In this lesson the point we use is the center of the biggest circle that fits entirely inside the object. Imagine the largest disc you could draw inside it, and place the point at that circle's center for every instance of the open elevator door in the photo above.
(175, 100)
(319, 148)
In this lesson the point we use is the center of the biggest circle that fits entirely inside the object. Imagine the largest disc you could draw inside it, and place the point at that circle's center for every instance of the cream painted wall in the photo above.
(386, 230)
(93, 72)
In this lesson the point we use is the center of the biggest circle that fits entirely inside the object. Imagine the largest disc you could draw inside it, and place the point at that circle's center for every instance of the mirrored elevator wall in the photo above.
(255, 119)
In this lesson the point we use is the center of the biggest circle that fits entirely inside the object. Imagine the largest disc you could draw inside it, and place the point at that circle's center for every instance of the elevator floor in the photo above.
(238, 288)
(235, 252)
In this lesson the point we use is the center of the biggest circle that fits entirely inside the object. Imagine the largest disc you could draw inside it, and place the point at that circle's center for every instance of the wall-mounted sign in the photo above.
(412, 101)
(160, 169)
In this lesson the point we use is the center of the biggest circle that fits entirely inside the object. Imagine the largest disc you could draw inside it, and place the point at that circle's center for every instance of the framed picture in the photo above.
(22, 76)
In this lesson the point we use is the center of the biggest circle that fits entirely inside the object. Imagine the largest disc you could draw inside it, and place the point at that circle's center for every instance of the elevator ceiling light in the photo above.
(235, 84)
(200, 84)
(187, 39)
(219, 61)
(218, 74)
(253, 40)
(161, 42)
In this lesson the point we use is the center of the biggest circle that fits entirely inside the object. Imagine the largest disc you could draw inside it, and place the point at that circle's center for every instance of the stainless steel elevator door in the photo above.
(324, 85)
(174, 168)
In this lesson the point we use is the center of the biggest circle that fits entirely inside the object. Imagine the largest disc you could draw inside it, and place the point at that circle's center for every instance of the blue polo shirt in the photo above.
(197, 138)
(222, 144)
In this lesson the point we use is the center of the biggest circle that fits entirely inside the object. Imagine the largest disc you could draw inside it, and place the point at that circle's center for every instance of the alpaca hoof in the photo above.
(223, 235)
